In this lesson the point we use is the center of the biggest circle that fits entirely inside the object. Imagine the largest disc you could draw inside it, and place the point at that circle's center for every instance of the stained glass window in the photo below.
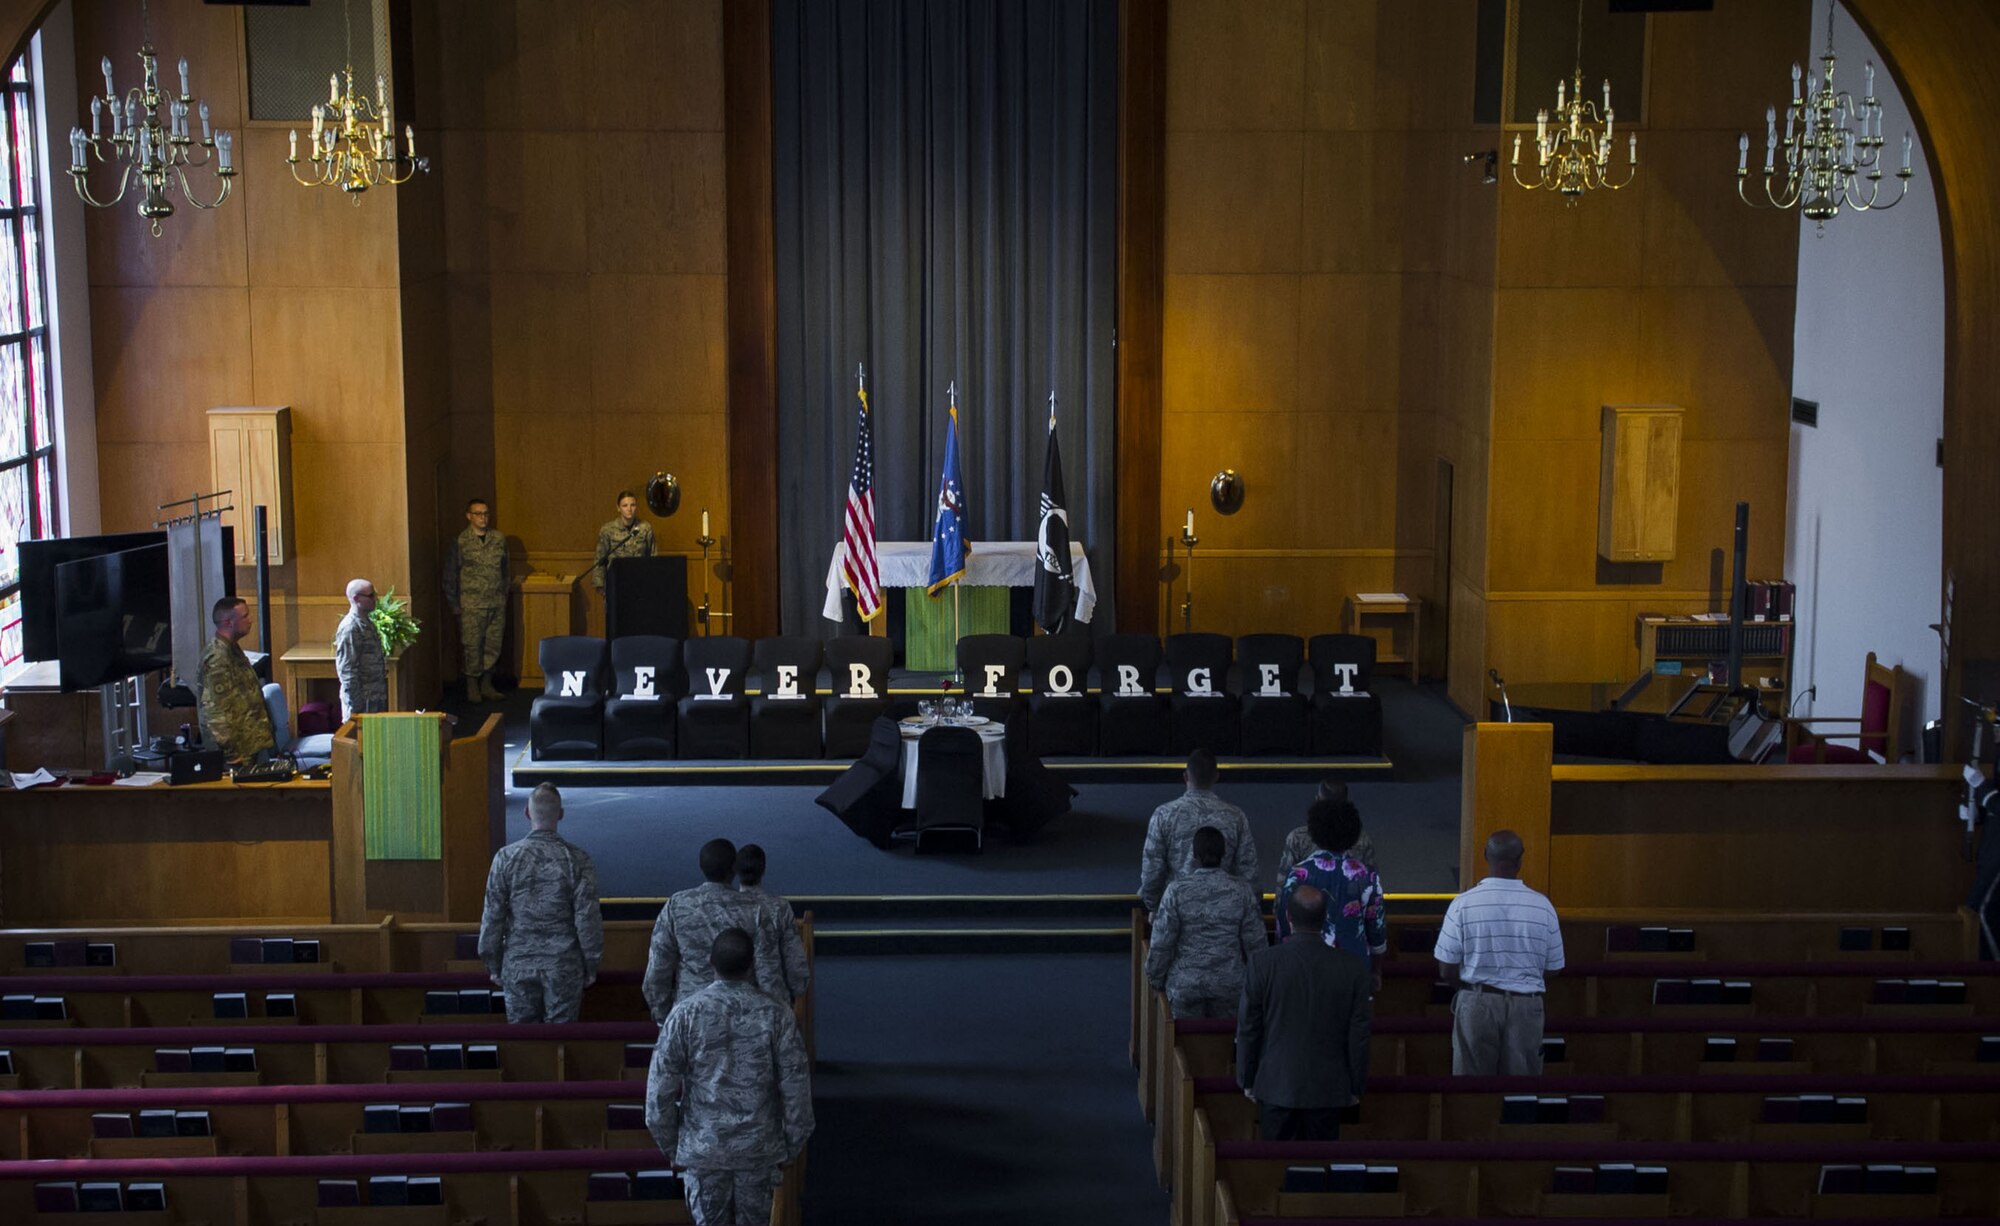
(28, 498)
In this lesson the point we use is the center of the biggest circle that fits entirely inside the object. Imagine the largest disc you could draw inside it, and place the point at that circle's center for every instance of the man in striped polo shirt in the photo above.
(1499, 939)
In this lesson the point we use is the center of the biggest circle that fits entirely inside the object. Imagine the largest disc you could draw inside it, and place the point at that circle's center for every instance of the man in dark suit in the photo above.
(1302, 1029)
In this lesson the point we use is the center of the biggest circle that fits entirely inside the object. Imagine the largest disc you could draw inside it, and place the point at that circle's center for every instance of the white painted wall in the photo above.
(1864, 529)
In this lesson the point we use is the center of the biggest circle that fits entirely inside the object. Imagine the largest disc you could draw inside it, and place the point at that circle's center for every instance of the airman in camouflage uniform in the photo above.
(231, 698)
(542, 935)
(790, 952)
(358, 658)
(677, 963)
(1170, 833)
(729, 1095)
(627, 536)
(475, 588)
(1207, 926)
(1299, 844)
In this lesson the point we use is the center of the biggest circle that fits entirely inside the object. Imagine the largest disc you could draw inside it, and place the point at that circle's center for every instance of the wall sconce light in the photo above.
(1225, 492)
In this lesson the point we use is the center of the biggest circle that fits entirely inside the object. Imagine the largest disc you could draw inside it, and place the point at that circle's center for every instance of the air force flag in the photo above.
(948, 547)
(1055, 583)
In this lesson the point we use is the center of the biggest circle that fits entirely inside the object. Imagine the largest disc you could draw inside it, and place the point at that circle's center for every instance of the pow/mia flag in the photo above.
(1055, 582)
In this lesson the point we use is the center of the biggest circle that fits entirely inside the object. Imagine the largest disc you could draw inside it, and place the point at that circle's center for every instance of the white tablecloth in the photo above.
(992, 739)
(992, 564)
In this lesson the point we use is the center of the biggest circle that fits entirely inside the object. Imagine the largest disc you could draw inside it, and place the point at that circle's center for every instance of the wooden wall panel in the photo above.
(1142, 154)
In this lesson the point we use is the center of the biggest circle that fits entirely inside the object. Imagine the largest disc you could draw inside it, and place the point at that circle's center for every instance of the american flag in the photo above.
(858, 567)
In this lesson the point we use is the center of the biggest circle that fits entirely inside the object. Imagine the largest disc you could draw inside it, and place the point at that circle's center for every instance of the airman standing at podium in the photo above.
(627, 536)
(358, 658)
(475, 589)
(233, 716)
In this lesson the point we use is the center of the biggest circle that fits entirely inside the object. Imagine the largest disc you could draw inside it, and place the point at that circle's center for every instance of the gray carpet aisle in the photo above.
(989, 1087)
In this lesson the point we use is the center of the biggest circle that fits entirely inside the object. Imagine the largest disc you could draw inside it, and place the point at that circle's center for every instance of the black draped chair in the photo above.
(951, 785)
(1131, 715)
(1274, 708)
(1346, 714)
(859, 666)
(1202, 714)
(1035, 795)
(868, 796)
(715, 715)
(992, 667)
(1062, 718)
(567, 720)
(640, 714)
(784, 717)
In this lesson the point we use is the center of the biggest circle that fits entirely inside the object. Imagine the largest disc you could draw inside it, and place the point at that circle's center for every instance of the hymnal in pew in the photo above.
(426, 1190)
(281, 1004)
(1781, 1109)
(1555, 1050)
(406, 1056)
(104, 1197)
(481, 1000)
(445, 1056)
(1586, 1108)
(6, 1063)
(246, 949)
(1850, 1110)
(55, 1197)
(173, 1060)
(146, 1198)
(1736, 991)
(1854, 940)
(638, 1055)
(413, 1117)
(193, 1124)
(72, 953)
(231, 1004)
(1920, 1180)
(1653, 940)
(339, 1193)
(660, 1185)
(1882, 1179)
(1346, 1178)
(625, 1117)
(1517, 1109)
(1680, 940)
(100, 953)
(388, 1189)
(51, 1008)
(1989, 1051)
(440, 1002)
(17, 1007)
(110, 1124)
(1552, 1110)
(1671, 992)
(1574, 1181)
(1384, 1179)
(1774, 1050)
(305, 951)
(609, 1185)
(482, 1055)
(1718, 1049)
(207, 1060)
(276, 949)
(451, 1117)
(1815, 1108)
(1896, 938)
(1617, 1178)
(381, 1117)
(38, 955)
(1650, 1181)
(157, 1123)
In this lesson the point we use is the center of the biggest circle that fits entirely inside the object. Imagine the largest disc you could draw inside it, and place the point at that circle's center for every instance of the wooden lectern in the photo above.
(450, 888)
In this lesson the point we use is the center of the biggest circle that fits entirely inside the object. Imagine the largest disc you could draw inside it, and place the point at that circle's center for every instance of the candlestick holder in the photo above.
(1188, 541)
(702, 614)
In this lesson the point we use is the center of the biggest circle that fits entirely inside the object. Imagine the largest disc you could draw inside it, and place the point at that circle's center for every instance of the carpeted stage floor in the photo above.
(968, 1085)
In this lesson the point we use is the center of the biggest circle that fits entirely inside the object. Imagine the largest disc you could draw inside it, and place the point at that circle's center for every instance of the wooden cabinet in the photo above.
(250, 454)
(1639, 482)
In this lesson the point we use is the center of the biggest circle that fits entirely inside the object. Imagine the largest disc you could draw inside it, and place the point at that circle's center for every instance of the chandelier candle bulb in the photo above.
(1517, 150)
(410, 140)
(110, 91)
(1632, 148)
(1607, 100)
(222, 143)
(184, 77)
(1868, 92)
(295, 146)
(207, 137)
(96, 116)
(1906, 153)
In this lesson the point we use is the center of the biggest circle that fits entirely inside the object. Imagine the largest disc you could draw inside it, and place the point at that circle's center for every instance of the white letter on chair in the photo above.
(717, 678)
(857, 682)
(1059, 679)
(1267, 680)
(993, 674)
(572, 684)
(642, 683)
(1128, 680)
(788, 681)
(1198, 682)
(1347, 672)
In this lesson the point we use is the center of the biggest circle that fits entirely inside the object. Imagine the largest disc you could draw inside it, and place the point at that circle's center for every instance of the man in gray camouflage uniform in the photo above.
(790, 953)
(358, 658)
(1299, 843)
(1206, 928)
(475, 590)
(542, 935)
(627, 536)
(729, 1093)
(677, 963)
(1170, 835)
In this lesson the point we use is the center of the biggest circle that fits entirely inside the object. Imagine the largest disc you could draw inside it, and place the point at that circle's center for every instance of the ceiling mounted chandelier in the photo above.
(1573, 154)
(151, 140)
(1832, 149)
(353, 143)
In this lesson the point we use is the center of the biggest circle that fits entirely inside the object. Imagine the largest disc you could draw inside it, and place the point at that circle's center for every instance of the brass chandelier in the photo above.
(1573, 154)
(152, 138)
(353, 143)
(1832, 150)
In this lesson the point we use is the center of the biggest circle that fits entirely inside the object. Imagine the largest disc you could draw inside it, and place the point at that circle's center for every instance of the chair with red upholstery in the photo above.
(1878, 735)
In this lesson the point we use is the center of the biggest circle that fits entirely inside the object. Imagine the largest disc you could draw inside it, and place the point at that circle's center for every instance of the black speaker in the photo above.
(646, 596)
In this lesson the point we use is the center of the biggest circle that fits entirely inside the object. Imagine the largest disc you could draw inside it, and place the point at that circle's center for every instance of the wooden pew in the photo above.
(1468, 1179)
(542, 1188)
(74, 1058)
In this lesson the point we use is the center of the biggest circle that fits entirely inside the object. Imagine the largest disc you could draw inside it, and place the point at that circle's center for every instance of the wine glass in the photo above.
(927, 710)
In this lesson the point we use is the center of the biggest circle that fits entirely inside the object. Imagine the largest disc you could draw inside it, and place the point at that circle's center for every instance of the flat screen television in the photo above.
(116, 617)
(39, 559)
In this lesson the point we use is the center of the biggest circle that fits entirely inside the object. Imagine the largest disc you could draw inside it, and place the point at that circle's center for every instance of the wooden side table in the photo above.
(549, 607)
(306, 663)
(1381, 616)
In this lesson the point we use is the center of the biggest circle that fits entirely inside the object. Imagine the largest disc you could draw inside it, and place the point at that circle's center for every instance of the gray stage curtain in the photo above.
(946, 185)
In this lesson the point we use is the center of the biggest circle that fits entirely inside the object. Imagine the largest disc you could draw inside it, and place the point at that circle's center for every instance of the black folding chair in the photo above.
(951, 778)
